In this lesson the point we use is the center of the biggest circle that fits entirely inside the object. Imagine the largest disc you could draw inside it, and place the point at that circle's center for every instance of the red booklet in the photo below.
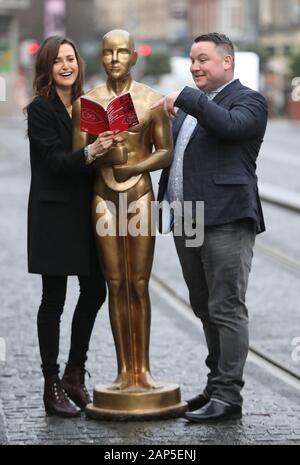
(119, 115)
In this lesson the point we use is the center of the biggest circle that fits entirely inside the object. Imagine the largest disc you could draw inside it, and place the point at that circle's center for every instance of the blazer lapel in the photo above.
(177, 123)
(62, 113)
(227, 90)
(219, 97)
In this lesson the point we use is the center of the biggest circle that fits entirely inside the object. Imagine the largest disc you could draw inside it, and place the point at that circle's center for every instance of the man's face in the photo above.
(118, 57)
(211, 67)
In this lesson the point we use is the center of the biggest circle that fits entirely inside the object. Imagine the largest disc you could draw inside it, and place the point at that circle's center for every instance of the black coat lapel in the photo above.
(62, 113)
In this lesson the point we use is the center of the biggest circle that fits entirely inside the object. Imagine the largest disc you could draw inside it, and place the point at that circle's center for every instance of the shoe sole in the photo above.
(52, 413)
(236, 416)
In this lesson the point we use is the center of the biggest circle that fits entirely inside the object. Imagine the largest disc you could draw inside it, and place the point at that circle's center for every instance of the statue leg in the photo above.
(126, 263)
(140, 258)
(110, 250)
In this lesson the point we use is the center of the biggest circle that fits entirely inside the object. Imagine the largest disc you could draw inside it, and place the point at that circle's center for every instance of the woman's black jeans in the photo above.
(92, 295)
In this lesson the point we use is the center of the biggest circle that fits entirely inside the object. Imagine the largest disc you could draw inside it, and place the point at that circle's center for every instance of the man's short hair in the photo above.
(221, 40)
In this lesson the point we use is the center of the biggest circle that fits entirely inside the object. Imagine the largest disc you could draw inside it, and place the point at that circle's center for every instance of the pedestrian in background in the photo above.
(60, 238)
(218, 130)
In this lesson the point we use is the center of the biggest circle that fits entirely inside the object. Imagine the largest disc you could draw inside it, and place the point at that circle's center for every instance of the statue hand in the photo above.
(118, 152)
(123, 172)
(118, 155)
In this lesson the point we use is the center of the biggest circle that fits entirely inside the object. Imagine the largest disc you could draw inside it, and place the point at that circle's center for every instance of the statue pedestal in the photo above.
(149, 404)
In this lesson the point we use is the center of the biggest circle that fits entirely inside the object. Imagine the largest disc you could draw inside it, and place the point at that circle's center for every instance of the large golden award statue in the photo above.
(122, 178)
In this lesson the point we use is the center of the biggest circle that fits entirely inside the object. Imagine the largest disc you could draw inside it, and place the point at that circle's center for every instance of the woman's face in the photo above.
(65, 68)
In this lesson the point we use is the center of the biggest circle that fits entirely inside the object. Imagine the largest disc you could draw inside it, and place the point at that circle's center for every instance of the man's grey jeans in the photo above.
(217, 276)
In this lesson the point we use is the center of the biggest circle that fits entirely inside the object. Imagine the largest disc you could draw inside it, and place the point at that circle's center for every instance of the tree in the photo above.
(156, 64)
(295, 62)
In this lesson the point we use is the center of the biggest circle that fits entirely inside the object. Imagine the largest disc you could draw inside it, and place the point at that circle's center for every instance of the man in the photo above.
(127, 258)
(218, 130)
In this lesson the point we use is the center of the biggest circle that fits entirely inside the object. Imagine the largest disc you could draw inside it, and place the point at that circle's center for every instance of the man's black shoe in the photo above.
(197, 402)
(215, 411)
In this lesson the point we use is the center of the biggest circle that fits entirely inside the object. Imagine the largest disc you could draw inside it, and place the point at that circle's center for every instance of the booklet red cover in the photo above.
(119, 115)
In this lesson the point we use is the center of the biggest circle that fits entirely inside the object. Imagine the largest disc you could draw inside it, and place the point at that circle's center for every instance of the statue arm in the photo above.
(163, 143)
(161, 157)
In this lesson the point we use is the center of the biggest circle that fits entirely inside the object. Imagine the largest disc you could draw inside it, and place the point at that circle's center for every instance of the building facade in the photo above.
(159, 23)
(235, 18)
(279, 25)
(9, 40)
(279, 34)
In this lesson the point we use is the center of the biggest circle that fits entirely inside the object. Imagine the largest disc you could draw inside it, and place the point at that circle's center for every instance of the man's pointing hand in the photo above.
(167, 103)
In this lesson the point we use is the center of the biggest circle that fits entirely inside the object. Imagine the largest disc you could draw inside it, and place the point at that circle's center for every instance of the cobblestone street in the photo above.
(271, 407)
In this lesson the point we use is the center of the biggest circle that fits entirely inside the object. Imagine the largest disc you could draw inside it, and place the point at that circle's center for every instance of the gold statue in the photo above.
(123, 173)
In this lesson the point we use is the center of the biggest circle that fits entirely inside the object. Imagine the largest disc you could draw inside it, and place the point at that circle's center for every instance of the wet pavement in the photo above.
(271, 407)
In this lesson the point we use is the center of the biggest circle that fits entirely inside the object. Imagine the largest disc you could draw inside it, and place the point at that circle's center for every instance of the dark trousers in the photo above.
(217, 276)
(91, 297)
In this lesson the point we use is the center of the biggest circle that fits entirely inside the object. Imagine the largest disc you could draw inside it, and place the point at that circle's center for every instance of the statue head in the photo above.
(118, 54)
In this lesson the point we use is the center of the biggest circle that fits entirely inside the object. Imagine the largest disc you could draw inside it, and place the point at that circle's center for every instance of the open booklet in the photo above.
(119, 115)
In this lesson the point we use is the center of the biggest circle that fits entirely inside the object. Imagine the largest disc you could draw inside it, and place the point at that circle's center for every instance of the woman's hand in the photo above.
(102, 144)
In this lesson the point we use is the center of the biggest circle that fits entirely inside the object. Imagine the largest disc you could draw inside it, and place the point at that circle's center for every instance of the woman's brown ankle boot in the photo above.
(73, 383)
(56, 400)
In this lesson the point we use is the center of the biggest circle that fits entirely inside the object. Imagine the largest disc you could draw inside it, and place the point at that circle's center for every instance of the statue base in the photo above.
(121, 405)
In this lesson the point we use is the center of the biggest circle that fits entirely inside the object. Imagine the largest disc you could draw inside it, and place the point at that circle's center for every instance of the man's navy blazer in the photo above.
(219, 161)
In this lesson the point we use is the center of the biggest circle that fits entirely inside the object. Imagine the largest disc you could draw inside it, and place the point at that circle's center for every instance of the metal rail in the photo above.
(279, 197)
(279, 257)
(278, 369)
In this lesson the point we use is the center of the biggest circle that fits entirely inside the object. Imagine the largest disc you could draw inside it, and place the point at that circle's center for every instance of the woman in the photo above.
(60, 238)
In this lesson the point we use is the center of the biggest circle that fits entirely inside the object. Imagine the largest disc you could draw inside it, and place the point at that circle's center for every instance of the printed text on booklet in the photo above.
(119, 115)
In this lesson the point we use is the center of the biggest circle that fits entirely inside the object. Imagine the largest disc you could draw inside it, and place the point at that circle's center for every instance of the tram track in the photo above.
(180, 304)
(256, 355)
(278, 256)
(280, 197)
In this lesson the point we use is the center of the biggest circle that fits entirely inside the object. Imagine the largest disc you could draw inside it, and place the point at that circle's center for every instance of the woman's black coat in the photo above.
(60, 239)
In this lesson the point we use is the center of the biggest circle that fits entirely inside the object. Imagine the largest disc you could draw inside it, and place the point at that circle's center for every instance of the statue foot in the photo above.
(145, 381)
(123, 381)
(130, 382)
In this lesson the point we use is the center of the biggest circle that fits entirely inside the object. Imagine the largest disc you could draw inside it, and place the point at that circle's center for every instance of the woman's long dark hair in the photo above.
(43, 83)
